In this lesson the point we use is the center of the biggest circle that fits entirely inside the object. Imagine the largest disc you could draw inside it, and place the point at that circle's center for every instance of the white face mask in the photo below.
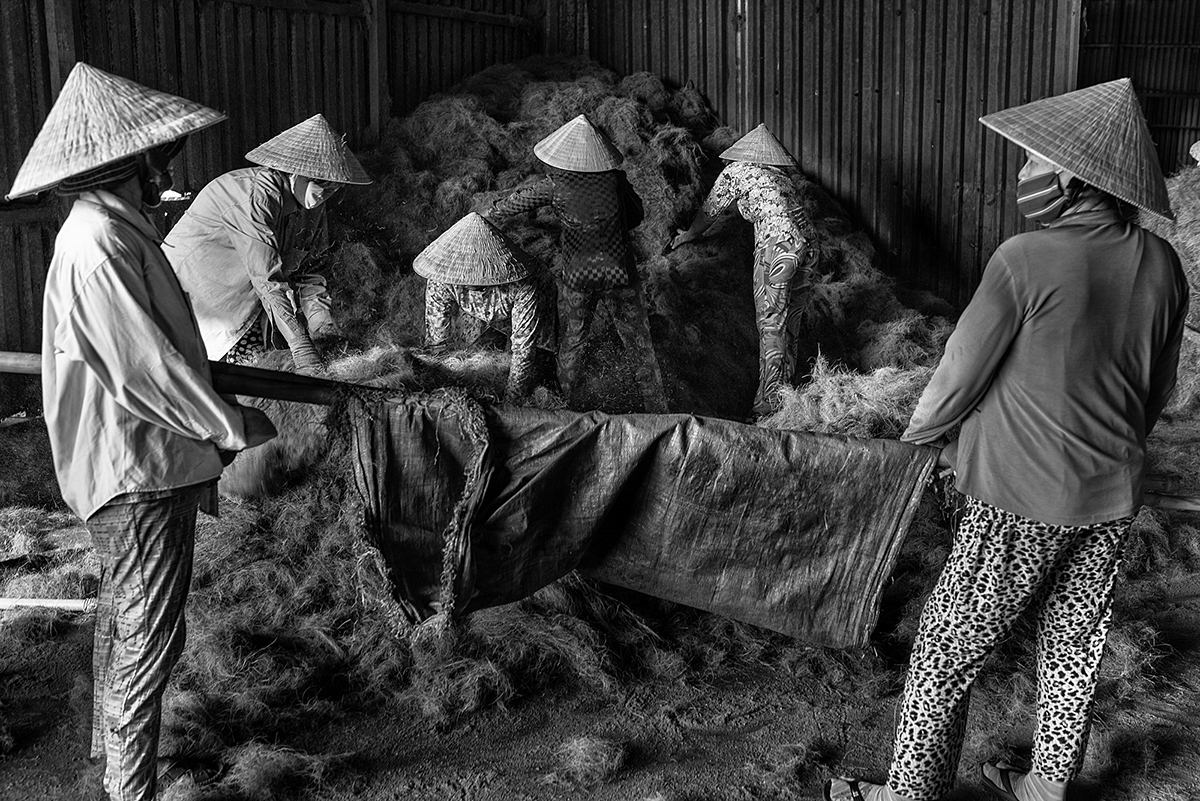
(310, 193)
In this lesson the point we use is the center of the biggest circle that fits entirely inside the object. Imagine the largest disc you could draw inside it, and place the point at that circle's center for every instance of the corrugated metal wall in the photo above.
(26, 232)
(877, 99)
(1157, 44)
(445, 41)
(267, 64)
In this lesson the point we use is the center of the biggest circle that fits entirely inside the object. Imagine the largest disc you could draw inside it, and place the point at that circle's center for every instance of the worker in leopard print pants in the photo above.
(1057, 370)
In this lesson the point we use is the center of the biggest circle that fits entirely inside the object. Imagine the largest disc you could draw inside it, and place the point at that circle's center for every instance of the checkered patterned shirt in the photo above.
(588, 205)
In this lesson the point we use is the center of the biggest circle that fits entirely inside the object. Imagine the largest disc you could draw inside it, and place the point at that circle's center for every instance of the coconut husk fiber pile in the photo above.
(291, 624)
(1184, 234)
(461, 150)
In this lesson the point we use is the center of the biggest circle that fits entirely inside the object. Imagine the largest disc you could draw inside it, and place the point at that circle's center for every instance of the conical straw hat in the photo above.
(473, 252)
(311, 149)
(100, 118)
(579, 146)
(1097, 133)
(759, 147)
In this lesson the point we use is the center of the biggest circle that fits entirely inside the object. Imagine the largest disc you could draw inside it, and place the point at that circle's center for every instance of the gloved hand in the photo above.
(306, 359)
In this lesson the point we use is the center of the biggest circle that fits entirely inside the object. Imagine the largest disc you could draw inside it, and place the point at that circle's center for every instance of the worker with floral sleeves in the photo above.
(596, 208)
(136, 430)
(248, 246)
(473, 268)
(756, 180)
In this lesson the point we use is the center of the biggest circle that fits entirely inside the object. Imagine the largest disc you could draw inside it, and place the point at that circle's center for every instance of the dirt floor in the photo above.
(754, 729)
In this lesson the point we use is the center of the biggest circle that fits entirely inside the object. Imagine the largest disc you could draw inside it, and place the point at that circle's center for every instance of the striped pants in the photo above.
(999, 565)
(144, 542)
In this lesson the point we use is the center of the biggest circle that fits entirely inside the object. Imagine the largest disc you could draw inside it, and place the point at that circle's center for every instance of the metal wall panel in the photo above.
(1156, 43)
(437, 43)
(877, 99)
(265, 63)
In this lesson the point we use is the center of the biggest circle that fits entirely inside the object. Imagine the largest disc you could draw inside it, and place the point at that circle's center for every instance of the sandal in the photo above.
(1004, 789)
(843, 790)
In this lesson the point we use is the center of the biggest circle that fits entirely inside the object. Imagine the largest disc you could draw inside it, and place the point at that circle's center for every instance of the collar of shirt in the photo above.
(126, 212)
(1109, 216)
(290, 204)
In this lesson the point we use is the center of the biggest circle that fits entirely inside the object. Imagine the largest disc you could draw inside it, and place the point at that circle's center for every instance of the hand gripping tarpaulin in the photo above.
(474, 505)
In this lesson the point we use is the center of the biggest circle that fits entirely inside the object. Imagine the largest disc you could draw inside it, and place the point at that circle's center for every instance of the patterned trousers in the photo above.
(780, 271)
(629, 316)
(250, 348)
(145, 549)
(999, 565)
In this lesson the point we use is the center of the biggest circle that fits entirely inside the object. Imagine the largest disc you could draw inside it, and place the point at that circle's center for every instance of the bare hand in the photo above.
(682, 237)
(258, 426)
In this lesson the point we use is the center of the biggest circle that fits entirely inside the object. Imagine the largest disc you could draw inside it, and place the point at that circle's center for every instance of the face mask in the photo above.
(154, 183)
(1042, 198)
(154, 173)
(314, 193)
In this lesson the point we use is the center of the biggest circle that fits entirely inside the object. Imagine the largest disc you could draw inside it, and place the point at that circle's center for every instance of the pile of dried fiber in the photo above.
(462, 149)
(1184, 235)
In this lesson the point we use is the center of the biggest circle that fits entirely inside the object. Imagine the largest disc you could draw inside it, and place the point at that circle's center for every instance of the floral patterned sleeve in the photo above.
(527, 198)
(439, 303)
(723, 194)
(526, 319)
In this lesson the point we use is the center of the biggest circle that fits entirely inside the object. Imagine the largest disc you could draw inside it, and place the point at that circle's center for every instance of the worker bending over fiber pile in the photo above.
(473, 268)
(248, 248)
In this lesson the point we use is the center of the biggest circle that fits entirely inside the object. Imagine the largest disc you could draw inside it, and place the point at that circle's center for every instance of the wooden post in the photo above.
(378, 57)
(62, 37)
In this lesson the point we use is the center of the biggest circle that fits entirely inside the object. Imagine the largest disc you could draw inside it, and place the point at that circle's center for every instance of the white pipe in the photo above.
(64, 604)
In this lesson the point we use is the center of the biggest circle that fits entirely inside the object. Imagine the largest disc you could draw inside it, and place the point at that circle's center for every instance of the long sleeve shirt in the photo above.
(765, 197)
(240, 248)
(595, 210)
(1058, 369)
(128, 399)
(513, 308)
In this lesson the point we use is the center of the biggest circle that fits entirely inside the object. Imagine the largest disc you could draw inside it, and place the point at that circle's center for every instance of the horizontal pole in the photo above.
(452, 12)
(231, 379)
(63, 604)
(307, 6)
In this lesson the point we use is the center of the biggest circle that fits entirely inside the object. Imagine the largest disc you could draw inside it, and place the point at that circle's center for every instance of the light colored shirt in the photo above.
(1058, 369)
(128, 399)
(239, 249)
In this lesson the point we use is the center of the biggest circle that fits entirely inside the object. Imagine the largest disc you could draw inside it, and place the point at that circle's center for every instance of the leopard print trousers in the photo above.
(999, 565)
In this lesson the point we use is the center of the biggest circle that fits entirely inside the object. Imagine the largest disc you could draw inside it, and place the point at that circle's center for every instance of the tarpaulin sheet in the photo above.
(793, 531)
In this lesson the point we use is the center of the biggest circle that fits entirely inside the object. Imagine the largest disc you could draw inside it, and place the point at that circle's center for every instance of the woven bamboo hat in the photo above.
(100, 118)
(473, 252)
(579, 146)
(759, 147)
(311, 149)
(1097, 133)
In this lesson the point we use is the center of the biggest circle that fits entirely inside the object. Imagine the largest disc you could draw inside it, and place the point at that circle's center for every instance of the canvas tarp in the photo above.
(474, 505)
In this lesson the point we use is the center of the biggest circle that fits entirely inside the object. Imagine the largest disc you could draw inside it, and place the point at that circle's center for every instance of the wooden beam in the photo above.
(452, 12)
(62, 35)
(307, 6)
(379, 100)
